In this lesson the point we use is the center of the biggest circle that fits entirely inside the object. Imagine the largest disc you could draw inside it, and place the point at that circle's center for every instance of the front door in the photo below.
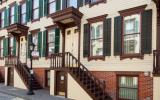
(10, 76)
(23, 49)
(72, 41)
(61, 83)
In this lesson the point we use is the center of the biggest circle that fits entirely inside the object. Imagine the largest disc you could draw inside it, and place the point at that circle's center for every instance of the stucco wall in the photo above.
(156, 88)
(18, 83)
(79, 93)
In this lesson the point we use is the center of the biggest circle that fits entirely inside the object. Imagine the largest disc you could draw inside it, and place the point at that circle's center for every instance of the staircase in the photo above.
(23, 71)
(93, 86)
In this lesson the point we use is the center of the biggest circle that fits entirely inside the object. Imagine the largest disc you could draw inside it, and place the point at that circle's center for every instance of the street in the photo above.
(8, 97)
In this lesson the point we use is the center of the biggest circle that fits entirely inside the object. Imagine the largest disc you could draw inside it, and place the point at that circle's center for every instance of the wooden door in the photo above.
(61, 83)
(72, 41)
(10, 76)
(23, 50)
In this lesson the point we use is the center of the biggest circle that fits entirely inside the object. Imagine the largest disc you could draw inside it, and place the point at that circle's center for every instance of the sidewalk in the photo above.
(39, 94)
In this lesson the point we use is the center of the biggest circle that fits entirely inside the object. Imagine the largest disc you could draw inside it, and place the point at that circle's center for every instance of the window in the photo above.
(69, 3)
(35, 9)
(11, 43)
(23, 13)
(2, 19)
(1, 48)
(51, 41)
(128, 88)
(12, 14)
(96, 40)
(131, 34)
(52, 6)
(35, 41)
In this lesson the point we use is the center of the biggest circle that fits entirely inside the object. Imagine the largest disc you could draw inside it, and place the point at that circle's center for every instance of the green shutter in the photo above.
(58, 5)
(6, 17)
(45, 7)
(4, 47)
(57, 40)
(40, 8)
(31, 9)
(28, 14)
(14, 47)
(16, 13)
(107, 37)
(44, 43)
(39, 43)
(86, 40)
(80, 3)
(117, 35)
(147, 32)
(29, 41)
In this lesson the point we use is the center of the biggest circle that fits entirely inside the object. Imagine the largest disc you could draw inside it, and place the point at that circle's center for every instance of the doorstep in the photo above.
(39, 94)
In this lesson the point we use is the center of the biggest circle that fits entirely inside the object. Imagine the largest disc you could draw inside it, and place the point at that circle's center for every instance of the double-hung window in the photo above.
(11, 43)
(23, 13)
(127, 88)
(132, 34)
(35, 9)
(12, 14)
(52, 6)
(68, 3)
(1, 48)
(51, 41)
(35, 41)
(96, 39)
(2, 19)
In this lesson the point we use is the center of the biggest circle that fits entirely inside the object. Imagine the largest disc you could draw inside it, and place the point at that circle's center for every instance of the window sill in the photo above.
(131, 56)
(1, 58)
(96, 58)
(35, 58)
(96, 3)
(35, 20)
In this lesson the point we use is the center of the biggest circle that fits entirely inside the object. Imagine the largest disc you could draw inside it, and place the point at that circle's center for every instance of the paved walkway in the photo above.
(8, 97)
(39, 94)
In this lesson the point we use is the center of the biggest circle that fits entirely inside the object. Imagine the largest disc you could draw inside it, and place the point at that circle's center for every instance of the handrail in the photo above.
(10, 60)
(156, 61)
(72, 62)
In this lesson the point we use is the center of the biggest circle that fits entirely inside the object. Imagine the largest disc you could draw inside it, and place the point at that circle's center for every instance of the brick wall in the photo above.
(145, 83)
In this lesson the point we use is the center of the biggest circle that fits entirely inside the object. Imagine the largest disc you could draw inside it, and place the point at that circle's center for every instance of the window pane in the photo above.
(11, 41)
(23, 18)
(97, 47)
(12, 20)
(51, 48)
(73, 3)
(36, 14)
(93, 32)
(36, 4)
(99, 31)
(51, 35)
(23, 8)
(12, 11)
(52, 7)
(132, 24)
(128, 87)
(132, 43)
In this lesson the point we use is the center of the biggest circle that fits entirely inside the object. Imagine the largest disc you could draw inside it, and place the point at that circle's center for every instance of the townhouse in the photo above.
(84, 49)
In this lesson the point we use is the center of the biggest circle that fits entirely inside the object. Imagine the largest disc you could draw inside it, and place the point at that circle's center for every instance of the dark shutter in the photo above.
(31, 9)
(14, 47)
(80, 3)
(5, 46)
(40, 8)
(57, 40)
(107, 37)
(16, 13)
(44, 43)
(29, 41)
(45, 7)
(39, 43)
(86, 40)
(87, 1)
(117, 35)
(28, 14)
(6, 17)
(147, 32)
(64, 4)
(58, 5)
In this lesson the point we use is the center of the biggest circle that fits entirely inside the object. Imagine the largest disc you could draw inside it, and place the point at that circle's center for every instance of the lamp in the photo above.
(31, 49)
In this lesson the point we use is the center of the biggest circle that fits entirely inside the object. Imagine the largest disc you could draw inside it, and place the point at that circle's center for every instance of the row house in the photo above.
(84, 49)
